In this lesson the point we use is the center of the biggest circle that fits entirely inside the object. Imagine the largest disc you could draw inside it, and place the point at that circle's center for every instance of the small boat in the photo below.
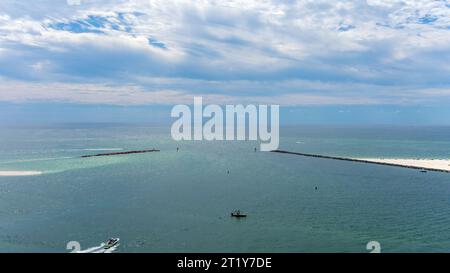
(423, 171)
(111, 242)
(237, 214)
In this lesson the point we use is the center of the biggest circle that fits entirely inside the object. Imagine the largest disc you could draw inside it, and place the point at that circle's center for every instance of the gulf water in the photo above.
(171, 201)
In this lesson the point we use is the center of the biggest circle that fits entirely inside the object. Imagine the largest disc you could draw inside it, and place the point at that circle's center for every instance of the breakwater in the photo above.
(122, 153)
(361, 161)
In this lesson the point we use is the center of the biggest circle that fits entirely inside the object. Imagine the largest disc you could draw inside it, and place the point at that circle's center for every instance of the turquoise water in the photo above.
(180, 201)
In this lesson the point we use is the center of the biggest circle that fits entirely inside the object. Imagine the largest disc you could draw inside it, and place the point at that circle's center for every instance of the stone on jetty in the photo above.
(409, 166)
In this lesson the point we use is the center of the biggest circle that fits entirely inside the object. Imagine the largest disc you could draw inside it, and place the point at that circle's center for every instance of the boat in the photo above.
(237, 214)
(111, 242)
(423, 171)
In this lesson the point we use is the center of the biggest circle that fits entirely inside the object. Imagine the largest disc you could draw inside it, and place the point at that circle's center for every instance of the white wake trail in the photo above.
(99, 249)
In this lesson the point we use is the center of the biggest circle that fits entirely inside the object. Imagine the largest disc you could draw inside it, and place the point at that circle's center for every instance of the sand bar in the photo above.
(438, 164)
(19, 173)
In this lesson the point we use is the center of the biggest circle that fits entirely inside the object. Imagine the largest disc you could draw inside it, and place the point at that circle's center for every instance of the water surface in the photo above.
(180, 201)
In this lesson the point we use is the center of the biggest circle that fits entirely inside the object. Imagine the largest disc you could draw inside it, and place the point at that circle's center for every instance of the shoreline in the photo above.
(435, 165)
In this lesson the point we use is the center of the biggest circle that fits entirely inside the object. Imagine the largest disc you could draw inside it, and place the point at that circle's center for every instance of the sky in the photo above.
(361, 61)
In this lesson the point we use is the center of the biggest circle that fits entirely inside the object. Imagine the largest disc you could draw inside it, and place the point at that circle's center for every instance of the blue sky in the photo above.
(132, 60)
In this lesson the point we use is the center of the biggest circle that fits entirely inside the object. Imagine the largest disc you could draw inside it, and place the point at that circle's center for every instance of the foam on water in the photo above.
(99, 249)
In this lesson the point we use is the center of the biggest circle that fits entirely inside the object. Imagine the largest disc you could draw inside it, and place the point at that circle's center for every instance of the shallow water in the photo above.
(180, 201)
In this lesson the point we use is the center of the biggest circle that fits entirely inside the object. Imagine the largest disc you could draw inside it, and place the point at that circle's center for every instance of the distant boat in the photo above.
(237, 214)
(423, 171)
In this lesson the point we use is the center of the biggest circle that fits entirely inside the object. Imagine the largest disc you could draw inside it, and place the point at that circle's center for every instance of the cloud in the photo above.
(135, 95)
(170, 91)
(300, 52)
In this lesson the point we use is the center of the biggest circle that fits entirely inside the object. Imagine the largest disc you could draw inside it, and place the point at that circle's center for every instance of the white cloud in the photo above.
(342, 51)
(169, 91)
(135, 95)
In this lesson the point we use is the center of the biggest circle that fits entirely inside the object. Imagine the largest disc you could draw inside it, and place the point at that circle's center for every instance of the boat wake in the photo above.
(110, 246)
(99, 249)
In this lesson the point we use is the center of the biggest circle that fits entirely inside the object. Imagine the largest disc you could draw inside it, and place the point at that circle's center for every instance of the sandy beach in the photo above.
(19, 173)
(442, 165)
(439, 164)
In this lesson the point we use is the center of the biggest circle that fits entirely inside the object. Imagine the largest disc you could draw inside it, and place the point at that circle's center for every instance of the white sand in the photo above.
(440, 164)
(19, 173)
